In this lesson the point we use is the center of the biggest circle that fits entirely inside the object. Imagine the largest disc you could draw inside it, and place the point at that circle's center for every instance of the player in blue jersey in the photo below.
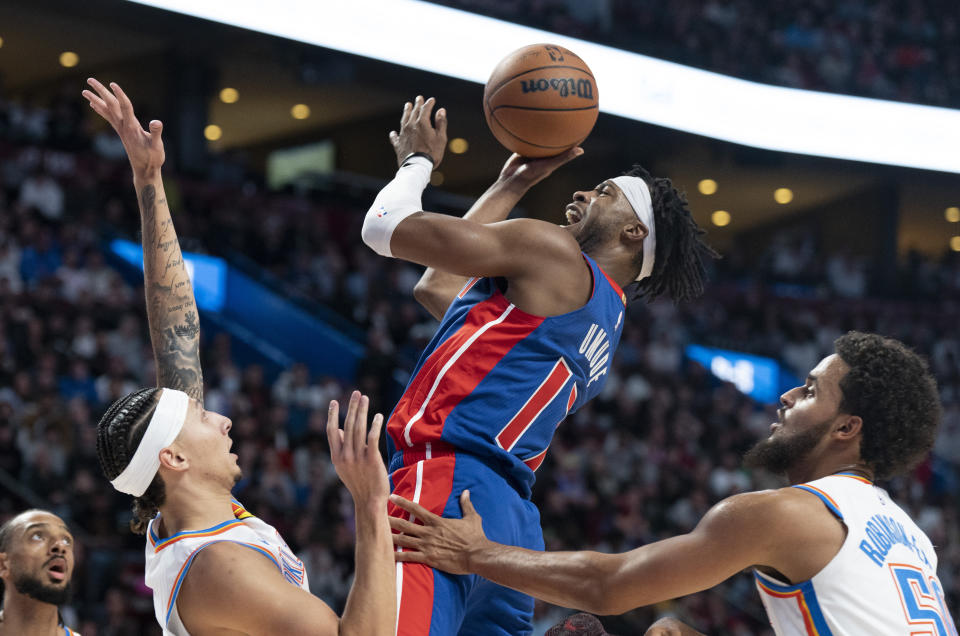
(531, 313)
(831, 554)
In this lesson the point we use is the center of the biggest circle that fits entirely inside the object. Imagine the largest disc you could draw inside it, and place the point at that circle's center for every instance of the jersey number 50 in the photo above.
(922, 600)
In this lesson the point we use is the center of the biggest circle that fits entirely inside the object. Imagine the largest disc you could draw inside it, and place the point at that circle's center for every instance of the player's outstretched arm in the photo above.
(232, 587)
(171, 308)
(355, 452)
(745, 530)
(396, 224)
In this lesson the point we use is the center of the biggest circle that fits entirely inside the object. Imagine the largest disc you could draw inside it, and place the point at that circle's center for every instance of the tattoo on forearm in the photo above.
(171, 308)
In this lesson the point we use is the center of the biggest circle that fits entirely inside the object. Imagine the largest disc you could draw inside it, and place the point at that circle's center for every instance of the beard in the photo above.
(593, 236)
(40, 591)
(780, 454)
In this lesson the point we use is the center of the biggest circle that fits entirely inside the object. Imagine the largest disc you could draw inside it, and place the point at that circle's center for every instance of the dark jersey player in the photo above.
(531, 313)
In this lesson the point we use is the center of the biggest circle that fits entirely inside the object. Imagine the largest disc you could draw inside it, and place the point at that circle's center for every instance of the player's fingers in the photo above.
(92, 98)
(427, 109)
(126, 106)
(406, 541)
(348, 425)
(373, 437)
(466, 507)
(404, 526)
(360, 427)
(156, 131)
(108, 98)
(442, 121)
(334, 437)
(97, 105)
(572, 154)
(409, 557)
(405, 117)
(413, 508)
(417, 107)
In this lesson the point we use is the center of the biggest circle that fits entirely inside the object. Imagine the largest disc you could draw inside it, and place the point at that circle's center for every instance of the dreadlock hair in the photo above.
(678, 268)
(118, 434)
(892, 390)
(581, 624)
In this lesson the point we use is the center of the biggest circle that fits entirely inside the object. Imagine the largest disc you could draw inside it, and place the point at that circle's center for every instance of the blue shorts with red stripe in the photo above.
(434, 603)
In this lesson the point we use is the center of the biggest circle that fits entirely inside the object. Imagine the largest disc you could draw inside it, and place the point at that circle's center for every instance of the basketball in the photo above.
(541, 100)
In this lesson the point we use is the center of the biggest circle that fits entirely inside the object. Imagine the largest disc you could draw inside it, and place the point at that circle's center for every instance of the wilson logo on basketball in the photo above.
(582, 88)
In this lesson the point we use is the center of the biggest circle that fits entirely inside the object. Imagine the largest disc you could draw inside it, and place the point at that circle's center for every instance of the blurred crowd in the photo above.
(643, 461)
(903, 50)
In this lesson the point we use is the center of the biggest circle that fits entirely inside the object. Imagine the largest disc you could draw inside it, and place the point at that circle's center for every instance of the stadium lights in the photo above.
(69, 59)
(720, 218)
(783, 196)
(1, 42)
(707, 186)
(458, 145)
(955, 243)
(213, 132)
(300, 111)
(229, 95)
(952, 214)
(468, 46)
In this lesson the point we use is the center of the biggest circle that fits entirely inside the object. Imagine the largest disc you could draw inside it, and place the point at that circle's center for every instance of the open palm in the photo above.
(144, 147)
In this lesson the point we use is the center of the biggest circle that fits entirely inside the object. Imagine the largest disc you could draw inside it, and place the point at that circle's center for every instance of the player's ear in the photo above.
(634, 232)
(172, 459)
(849, 426)
(3, 564)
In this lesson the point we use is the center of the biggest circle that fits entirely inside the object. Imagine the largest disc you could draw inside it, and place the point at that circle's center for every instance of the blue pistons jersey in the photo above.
(495, 381)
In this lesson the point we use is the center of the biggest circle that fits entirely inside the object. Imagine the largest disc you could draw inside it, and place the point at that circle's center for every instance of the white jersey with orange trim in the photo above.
(169, 559)
(883, 581)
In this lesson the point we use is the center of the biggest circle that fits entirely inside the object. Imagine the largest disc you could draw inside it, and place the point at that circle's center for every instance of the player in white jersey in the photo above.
(36, 567)
(832, 554)
(213, 567)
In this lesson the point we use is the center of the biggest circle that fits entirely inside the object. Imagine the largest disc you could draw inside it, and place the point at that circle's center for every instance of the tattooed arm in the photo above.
(171, 308)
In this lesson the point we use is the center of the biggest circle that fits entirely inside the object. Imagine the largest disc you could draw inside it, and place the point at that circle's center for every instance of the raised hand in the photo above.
(445, 544)
(528, 172)
(144, 147)
(355, 452)
(418, 134)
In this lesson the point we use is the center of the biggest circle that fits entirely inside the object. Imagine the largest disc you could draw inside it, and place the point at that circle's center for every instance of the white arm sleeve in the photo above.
(399, 199)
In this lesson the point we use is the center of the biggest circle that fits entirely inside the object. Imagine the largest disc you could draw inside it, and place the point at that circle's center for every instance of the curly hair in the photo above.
(118, 434)
(891, 388)
(678, 269)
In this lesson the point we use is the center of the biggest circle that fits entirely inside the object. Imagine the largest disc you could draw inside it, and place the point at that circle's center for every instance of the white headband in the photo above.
(164, 426)
(638, 194)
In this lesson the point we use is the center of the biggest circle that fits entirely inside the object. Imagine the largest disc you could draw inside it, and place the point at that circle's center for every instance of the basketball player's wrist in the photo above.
(409, 156)
(513, 185)
(480, 554)
(145, 176)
